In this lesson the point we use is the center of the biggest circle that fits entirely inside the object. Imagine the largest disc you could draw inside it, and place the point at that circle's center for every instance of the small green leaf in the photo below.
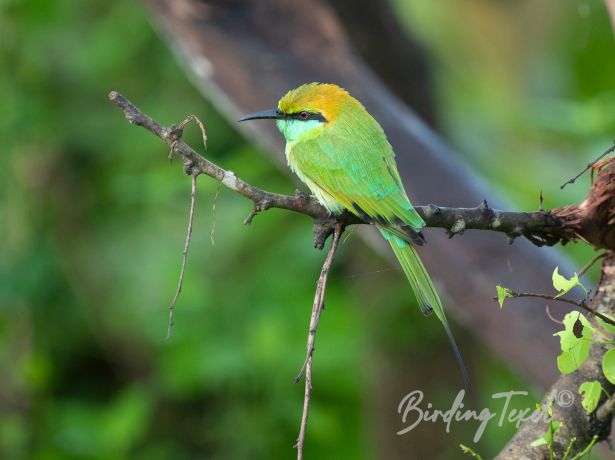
(590, 392)
(563, 285)
(575, 342)
(555, 427)
(568, 362)
(538, 442)
(503, 293)
(547, 438)
(608, 365)
(470, 452)
(606, 326)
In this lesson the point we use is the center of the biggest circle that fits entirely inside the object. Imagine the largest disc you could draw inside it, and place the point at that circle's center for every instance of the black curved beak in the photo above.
(271, 114)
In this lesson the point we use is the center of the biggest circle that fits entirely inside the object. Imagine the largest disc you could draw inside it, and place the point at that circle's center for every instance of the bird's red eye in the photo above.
(304, 115)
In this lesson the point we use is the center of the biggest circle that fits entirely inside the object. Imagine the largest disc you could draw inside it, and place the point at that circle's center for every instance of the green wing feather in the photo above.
(363, 178)
(354, 165)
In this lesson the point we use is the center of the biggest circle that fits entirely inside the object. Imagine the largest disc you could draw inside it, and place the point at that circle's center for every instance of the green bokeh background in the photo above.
(92, 223)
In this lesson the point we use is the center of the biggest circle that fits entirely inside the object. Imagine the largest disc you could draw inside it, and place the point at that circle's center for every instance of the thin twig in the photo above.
(576, 422)
(213, 215)
(579, 303)
(551, 317)
(184, 258)
(569, 448)
(179, 130)
(589, 165)
(590, 264)
(317, 308)
(196, 119)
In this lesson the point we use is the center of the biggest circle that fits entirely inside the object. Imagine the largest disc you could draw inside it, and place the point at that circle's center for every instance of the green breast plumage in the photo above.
(350, 164)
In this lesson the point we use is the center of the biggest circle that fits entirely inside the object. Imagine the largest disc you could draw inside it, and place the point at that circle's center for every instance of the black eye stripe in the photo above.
(301, 116)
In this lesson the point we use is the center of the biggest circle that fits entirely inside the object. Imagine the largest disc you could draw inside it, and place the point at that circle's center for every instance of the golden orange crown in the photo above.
(324, 98)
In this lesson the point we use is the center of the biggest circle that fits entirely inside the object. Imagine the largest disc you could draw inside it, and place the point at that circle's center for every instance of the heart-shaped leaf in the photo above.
(590, 391)
(575, 342)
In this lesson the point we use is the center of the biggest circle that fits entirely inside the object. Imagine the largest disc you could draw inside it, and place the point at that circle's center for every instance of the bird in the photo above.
(342, 154)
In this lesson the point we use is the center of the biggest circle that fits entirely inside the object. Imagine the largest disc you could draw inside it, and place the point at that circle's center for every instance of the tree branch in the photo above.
(317, 308)
(242, 56)
(540, 227)
(182, 271)
(564, 396)
(579, 303)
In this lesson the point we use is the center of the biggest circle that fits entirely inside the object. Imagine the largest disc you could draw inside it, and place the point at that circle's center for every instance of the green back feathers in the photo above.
(352, 161)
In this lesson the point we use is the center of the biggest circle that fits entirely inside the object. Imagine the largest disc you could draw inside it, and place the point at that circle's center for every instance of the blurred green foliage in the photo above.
(92, 221)
(525, 90)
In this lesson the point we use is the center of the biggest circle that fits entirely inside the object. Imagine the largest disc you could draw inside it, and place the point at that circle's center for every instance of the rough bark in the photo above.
(576, 423)
(592, 219)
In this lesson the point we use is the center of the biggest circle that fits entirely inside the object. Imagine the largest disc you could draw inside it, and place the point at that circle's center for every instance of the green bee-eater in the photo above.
(341, 152)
